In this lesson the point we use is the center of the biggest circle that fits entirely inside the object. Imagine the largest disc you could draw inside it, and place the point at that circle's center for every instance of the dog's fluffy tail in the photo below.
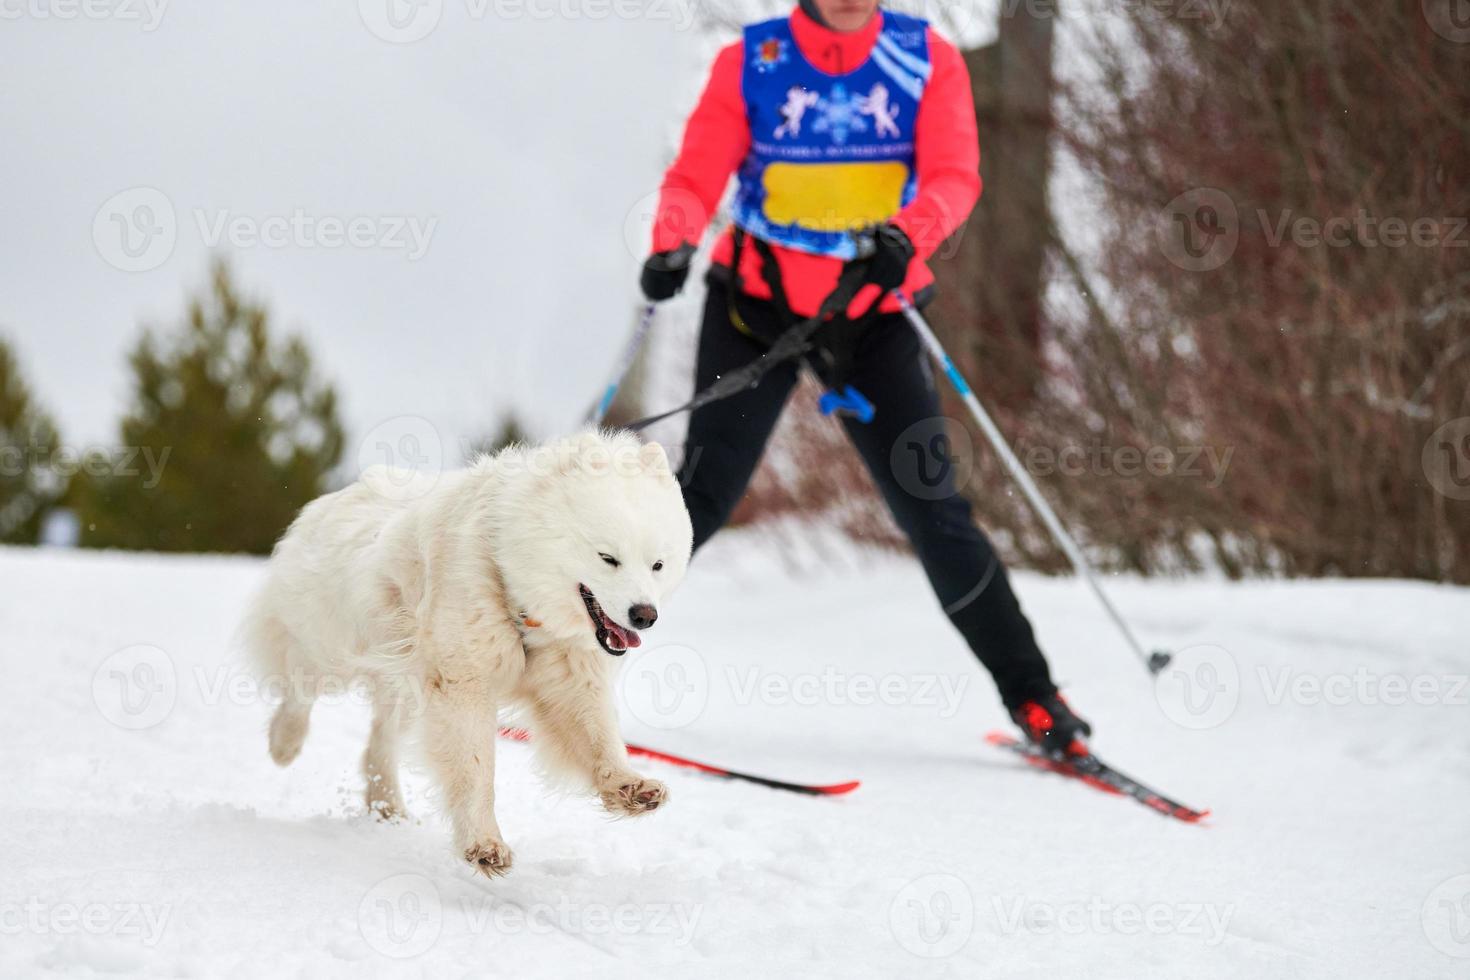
(265, 640)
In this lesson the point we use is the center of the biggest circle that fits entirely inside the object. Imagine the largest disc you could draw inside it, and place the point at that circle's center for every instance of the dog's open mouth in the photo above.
(613, 637)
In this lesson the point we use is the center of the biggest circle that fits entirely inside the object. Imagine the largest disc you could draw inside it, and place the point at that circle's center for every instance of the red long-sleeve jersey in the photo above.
(717, 138)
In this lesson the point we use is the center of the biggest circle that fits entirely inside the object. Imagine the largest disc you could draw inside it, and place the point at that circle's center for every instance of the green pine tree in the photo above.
(28, 443)
(237, 431)
(511, 432)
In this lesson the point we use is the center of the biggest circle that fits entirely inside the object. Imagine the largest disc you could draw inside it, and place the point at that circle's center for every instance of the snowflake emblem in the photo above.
(839, 114)
(770, 54)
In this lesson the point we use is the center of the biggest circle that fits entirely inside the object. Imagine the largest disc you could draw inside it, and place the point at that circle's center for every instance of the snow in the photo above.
(144, 831)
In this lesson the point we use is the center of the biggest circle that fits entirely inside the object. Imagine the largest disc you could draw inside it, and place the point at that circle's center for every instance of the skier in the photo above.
(912, 178)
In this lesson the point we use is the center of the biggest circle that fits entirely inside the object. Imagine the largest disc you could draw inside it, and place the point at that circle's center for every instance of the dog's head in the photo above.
(608, 539)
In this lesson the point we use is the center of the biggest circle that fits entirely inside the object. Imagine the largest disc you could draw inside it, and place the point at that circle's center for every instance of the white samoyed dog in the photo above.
(516, 583)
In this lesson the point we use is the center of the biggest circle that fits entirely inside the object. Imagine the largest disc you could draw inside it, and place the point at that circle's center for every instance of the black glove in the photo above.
(664, 272)
(892, 253)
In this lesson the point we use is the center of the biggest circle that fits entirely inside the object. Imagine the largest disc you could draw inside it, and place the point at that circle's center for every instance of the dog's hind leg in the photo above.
(289, 725)
(278, 661)
(380, 761)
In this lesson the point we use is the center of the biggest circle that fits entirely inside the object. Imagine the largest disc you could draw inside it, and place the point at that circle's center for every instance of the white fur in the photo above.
(430, 600)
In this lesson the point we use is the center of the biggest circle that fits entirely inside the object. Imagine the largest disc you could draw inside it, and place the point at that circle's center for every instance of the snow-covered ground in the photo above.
(144, 831)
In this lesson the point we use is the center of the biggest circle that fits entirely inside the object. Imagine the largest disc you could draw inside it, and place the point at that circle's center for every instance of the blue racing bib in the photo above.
(829, 153)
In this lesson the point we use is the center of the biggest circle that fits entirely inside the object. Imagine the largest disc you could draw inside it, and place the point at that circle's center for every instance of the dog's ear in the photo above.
(654, 459)
(586, 453)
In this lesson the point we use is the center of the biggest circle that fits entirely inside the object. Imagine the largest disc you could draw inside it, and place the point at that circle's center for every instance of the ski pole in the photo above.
(1155, 661)
(630, 354)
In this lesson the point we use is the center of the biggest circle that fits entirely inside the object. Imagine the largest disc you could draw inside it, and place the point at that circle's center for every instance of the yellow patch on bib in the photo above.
(833, 196)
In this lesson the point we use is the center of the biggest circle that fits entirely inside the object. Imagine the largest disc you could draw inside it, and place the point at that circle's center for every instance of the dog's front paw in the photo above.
(633, 798)
(491, 858)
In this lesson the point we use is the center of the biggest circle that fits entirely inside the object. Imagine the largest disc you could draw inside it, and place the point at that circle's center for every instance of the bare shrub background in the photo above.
(1322, 369)
(1326, 368)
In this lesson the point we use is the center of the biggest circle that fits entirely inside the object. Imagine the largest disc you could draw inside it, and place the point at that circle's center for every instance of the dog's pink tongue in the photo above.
(628, 637)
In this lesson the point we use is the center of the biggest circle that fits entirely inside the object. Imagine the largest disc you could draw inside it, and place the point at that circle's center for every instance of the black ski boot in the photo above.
(1052, 726)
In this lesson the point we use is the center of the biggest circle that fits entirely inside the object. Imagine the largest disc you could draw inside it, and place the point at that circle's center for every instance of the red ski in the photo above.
(1091, 770)
(810, 789)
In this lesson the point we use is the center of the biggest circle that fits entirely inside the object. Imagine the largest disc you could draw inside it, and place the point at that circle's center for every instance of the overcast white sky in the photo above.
(520, 144)
(496, 154)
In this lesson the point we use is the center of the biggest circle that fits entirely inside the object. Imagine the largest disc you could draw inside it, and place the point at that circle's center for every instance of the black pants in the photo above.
(911, 469)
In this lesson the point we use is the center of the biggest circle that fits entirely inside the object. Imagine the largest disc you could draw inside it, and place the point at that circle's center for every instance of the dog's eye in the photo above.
(658, 566)
(609, 559)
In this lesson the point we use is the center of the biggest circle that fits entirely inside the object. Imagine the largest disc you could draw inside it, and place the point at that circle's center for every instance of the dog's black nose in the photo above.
(642, 616)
